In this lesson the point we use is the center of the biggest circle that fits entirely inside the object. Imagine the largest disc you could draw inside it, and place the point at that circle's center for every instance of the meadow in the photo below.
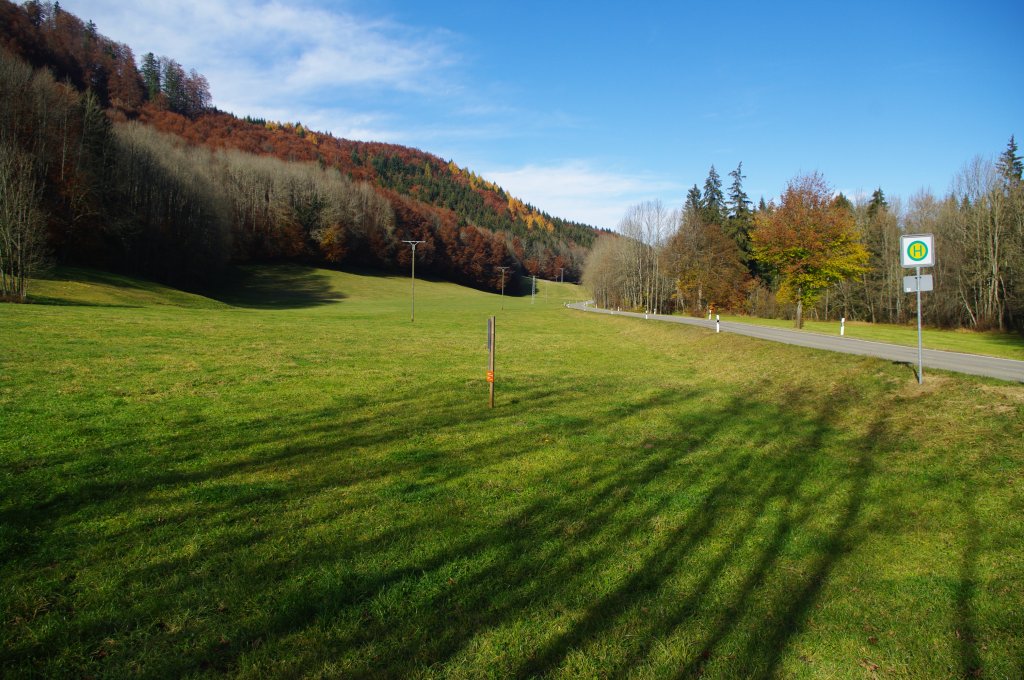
(286, 477)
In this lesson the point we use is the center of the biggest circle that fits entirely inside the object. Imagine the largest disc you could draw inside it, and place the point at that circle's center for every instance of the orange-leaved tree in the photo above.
(810, 239)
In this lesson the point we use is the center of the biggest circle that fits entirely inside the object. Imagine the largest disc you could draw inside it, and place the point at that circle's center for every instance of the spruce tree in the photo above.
(713, 201)
(173, 85)
(151, 75)
(841, 201)
(877, 202)
(737, 225)
(739, 202)
(693, 200)
(1009, 164)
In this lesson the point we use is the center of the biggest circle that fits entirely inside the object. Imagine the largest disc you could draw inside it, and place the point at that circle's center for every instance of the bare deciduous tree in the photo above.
(22, 225)
(602, 274)
(982, 229)
(646, 228)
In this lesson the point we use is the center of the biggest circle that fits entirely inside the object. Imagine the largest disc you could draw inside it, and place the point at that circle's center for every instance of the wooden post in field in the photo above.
(490, 360)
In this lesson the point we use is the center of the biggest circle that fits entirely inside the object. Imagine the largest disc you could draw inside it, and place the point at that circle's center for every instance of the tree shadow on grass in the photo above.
(284, 286)
(966, 628)
(703, 512)
(735, 494)
(88, 275)
(64, 302)
(95, 276)
(739, 504)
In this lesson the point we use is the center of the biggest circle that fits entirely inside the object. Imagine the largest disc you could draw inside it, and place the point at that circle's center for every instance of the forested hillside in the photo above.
(111, 163)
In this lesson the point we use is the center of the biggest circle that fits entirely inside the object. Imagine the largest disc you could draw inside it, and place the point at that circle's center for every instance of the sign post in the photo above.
(916, 251)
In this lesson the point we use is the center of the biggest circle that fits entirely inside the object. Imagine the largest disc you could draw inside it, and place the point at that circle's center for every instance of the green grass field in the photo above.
(291, 479)
(992, 343)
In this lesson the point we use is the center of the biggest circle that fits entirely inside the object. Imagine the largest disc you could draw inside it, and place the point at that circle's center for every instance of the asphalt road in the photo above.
(974, 364)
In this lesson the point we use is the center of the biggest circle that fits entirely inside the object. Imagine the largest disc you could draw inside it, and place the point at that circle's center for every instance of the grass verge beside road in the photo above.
(991, 343)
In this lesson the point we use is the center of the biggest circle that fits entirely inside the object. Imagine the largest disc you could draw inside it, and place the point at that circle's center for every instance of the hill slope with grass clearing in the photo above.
(287, 477)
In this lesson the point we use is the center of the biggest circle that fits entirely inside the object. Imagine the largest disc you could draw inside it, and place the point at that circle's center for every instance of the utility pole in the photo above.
(561, 274)
(533, 290)
(503, 286)
(413, 244)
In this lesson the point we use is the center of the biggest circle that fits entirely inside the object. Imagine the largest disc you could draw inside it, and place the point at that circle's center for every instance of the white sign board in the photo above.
(917, 250)
(910, 283)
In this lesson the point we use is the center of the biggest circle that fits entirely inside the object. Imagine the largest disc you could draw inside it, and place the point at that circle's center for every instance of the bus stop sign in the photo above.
(917, 250)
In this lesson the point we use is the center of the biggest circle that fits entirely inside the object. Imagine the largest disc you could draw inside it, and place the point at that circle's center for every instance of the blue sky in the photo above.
(583, 109)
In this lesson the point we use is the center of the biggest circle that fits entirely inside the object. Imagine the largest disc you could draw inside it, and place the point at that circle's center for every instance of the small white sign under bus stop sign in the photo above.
(913, 284)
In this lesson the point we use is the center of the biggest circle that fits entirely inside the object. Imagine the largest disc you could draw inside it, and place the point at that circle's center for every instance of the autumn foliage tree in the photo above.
(810, 240)
(707, 264)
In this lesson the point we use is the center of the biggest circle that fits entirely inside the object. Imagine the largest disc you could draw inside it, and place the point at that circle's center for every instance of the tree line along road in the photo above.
(974, 364)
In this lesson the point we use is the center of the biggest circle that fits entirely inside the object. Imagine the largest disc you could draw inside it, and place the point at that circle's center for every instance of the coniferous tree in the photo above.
(693, 200)
(713, 200)
(151, 75)
(877, 202)
(739, 202)
(173, 84)
(842, 201)
(1010, 165)
(1010, 197)
(739, 221)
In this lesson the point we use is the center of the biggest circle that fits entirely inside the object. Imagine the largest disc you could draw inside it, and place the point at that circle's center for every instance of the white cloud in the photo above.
(254, 52)
(576, 190)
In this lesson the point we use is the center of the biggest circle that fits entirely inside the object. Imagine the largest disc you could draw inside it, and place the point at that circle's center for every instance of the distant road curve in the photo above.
(974, 364)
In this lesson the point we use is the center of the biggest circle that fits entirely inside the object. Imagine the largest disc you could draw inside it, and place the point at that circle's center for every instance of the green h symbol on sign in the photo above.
(917, 251)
